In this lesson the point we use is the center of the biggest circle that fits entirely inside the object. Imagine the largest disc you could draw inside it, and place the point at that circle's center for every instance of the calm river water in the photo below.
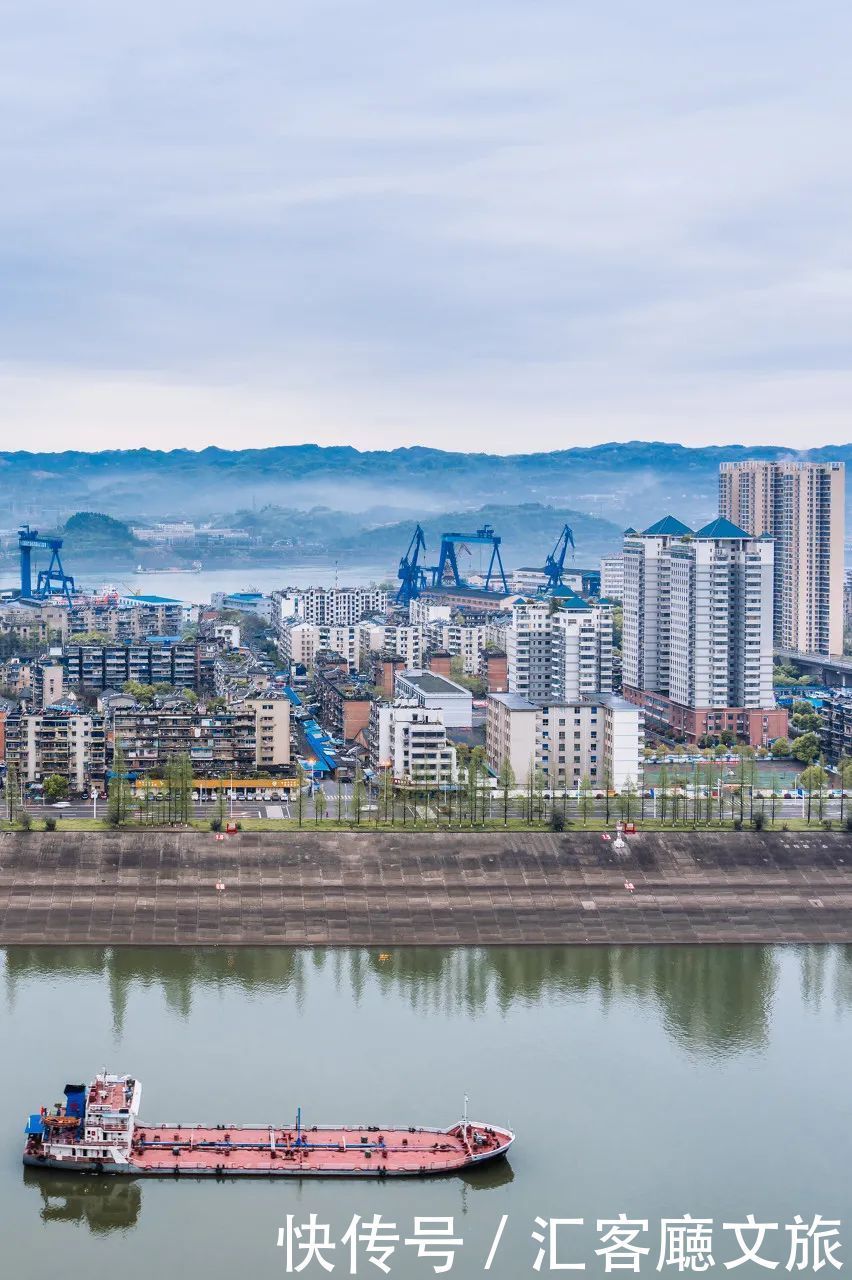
(655, 1082)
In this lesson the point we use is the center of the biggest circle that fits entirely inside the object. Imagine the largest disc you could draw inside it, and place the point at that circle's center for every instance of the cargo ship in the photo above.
(97, 1130)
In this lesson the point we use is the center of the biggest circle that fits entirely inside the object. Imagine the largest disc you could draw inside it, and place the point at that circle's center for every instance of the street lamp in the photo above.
(94, 805)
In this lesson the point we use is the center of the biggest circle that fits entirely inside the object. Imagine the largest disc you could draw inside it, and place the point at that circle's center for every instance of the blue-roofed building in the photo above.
(720, 528)
(254, 602)
(698, 620)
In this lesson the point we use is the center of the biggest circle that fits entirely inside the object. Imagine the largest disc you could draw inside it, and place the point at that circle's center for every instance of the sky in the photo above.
(504, 225)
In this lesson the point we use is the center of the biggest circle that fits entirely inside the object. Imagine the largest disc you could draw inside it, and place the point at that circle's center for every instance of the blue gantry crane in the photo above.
(411, 574)
(51, 581)
(448, 559)
(554, 566)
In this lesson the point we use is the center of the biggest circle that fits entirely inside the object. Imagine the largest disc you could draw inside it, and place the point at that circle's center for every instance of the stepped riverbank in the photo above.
(392, 889)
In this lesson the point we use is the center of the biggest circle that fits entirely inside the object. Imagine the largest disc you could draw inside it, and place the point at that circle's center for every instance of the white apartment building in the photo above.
(698, 618)
(426, 611)
(228, 633)
(646, 606)
(436, 693)
(612, 577)
(597, 738)
(338, 606)
(721, 589)
(802, 506)
(559, 653)
(406, 640)
(300, 642)
(411, 740)
(466, 640)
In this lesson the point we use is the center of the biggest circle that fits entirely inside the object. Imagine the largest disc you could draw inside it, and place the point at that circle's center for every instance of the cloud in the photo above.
(347, 220)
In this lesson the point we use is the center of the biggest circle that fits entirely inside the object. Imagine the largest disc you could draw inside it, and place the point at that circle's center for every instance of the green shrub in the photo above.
(50, 823)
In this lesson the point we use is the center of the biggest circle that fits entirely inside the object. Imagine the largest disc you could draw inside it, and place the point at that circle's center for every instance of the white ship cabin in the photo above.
(112, 1106)
(95, 1124)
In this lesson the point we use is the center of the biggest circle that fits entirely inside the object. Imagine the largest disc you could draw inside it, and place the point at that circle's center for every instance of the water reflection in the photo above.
(101, 1204)
(716, 998)
(114, 1204)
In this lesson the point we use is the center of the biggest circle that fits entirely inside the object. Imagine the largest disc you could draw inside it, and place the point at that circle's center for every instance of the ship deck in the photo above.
(170, 1148)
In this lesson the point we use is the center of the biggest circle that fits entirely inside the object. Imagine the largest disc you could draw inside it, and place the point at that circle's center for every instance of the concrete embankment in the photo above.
(391, 889)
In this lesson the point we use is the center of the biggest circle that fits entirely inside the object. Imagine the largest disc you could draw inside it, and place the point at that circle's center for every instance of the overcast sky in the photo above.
(504, 225)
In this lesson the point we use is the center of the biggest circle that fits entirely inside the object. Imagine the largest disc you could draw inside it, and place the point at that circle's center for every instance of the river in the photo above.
(653, 1081)
(197, 588)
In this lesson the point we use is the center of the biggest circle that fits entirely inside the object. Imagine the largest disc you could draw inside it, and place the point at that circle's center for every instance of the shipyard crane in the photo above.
(51, 581)
(554, 566)
(411, 574)
(449, 560)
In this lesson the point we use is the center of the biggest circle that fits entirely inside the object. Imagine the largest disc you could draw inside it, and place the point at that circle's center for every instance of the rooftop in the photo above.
(140, 599)
(668, 527)
(429, 682)
(721, 528)
(514, 701)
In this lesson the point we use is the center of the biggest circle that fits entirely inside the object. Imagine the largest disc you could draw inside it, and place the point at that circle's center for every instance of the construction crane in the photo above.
(51, 581)
(554, 566)
(411, 574)
(449, 560)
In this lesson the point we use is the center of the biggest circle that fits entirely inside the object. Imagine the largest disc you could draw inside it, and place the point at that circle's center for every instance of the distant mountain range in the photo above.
(363, 495)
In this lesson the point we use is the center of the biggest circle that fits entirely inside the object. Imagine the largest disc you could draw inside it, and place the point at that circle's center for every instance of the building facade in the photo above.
(60, 740)
(698, 630)
(560, 652)
(102, 666)
(598, 739)
(339, 606)
(612, 577)
(411, 741)
(801, 505)
(299, 643)
(255, 735)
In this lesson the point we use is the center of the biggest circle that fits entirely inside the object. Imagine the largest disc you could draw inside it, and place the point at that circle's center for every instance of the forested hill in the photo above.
(627, 483)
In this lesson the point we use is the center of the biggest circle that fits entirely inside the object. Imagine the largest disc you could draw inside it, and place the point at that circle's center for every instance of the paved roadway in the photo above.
(794, 808)
(394, 889)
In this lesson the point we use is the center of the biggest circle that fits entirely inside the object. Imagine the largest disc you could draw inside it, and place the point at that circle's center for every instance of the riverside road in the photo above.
(394, 889)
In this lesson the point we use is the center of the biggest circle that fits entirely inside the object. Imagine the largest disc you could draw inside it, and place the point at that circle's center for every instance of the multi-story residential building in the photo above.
(801, 505)
(598, 738)
(559, 648)
(411, 741)
(15, 675)
(60, 739)
(338, 606)
(129, 617)
(47, 683)
(426, 611)
(465, 640)
(299, 643)
(404, 639)
(697, 648)
(344, 703)
(494, 670)
(254, 735)
(108, 666)
(436, 692)
(612, 577)
(646, 604)
(44, 623)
